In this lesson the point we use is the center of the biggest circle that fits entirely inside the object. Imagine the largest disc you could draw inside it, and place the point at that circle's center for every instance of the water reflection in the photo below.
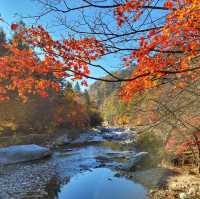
(100, 183)
(53, 188)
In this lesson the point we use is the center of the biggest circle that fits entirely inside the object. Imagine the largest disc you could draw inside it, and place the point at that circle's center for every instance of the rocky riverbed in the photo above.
(21, 180)
(91, 164)
(92, 150)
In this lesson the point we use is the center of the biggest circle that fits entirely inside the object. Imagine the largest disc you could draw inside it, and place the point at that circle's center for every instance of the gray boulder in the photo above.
(87, 138)
(134, 161)
(5, 196)
(62, 140)
(22, 153)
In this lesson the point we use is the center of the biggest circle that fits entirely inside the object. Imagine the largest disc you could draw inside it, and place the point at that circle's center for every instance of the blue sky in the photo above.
(9, 9)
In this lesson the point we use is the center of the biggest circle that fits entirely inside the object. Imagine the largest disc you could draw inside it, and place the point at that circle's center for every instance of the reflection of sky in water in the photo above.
(101, 184)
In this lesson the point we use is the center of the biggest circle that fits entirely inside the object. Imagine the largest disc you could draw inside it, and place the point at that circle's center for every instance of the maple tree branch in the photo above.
(114, 35)
(117, 79)
(118, 49)
(121, 4)
(130, 79)
(90, 5)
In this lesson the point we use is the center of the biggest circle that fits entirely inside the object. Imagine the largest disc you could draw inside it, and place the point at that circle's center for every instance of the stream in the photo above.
(86, 168)
(90, 165)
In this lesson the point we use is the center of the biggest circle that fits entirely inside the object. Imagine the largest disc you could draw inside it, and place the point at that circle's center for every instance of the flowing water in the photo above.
(89, 171)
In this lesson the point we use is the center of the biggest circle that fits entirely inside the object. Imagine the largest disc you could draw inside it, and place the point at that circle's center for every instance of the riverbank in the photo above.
(17, 181)
(183, 186)
(43, 139)
(185, 181)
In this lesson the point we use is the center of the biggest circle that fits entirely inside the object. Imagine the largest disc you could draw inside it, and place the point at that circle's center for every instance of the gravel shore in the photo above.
(183, 186)
(20, 180)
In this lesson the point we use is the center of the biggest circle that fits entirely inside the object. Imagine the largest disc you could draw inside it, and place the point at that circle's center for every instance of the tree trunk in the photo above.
(198, 158)
(198, 152)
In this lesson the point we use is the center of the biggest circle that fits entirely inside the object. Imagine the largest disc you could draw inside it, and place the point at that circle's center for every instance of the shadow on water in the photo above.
(100, 183)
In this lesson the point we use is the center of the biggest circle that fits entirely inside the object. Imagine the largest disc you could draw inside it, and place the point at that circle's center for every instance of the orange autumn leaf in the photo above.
(168, 4)
(14, 26)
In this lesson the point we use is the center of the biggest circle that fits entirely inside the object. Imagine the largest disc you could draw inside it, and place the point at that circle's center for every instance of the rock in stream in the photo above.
(22, 153)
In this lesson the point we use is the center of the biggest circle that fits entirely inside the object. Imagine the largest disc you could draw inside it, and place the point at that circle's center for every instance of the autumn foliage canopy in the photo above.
(165, 50)
(38, 67)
